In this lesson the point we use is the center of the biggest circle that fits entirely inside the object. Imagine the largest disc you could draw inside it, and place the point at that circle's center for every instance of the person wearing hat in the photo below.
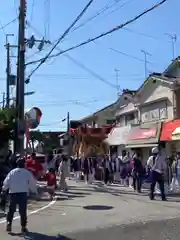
(157, 165)
(19, 182)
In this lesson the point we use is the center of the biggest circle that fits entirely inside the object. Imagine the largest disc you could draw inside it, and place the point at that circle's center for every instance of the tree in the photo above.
(7, 125)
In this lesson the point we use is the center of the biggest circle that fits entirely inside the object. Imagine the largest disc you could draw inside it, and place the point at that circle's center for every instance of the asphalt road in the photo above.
(161, 230)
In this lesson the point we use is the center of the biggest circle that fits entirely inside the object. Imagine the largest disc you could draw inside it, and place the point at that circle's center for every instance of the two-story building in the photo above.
(103, 117)
(140, 116)
(126, 114)
(171, 129)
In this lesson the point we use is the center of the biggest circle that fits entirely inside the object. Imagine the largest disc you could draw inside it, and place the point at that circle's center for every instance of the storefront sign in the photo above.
(143, 134)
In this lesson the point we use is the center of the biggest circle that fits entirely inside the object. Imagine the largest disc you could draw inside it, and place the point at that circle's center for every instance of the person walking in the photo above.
(63, 173)
(19, 181)
(157, 165)
(137, 173)
(107, 170)
(175, 172)
(87, 169)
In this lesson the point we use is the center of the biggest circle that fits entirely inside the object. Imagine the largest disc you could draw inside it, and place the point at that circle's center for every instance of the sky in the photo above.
(77, 81)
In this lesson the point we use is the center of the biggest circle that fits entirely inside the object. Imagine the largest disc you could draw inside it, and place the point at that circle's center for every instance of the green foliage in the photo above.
(7, 125)
(49, 142)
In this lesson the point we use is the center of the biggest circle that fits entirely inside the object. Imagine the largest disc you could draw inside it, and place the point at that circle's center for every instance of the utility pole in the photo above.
(145, 62)
(21, 78)
(173, 38)
(3, 101)
(68, 135)
(117, 81)
(8, 69)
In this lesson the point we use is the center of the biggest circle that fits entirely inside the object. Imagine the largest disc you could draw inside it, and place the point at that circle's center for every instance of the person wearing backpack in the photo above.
(157, 165)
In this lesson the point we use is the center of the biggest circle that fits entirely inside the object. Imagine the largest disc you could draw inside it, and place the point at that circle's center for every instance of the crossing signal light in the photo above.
(41, 45)
(31, 42)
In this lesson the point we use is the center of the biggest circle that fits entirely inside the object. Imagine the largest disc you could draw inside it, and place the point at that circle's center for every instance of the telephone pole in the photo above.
(3, 101)
(117, 81)
(21, 79)
(68, 135)
(145, 62)
(8, 69)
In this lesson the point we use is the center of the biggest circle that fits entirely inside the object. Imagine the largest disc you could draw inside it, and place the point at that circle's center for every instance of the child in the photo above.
(51, 182)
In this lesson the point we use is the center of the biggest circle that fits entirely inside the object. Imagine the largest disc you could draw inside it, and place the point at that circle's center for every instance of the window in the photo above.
(130, 118)
(120, 120)
(154, 112)
(110, 121)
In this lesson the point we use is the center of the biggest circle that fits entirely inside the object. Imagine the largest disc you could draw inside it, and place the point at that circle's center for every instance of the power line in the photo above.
(63, 36)
(101, 35)
(2, 27)
(81, 65)
(98, 13)
(107, 7)
(128, 55)
(144, 34)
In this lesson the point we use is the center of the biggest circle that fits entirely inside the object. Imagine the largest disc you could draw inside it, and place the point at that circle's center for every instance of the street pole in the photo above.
(8, 69)
(117, 81)
(145, 62)
(3, 102)
(21, 77)
(7, 74)
(68, 135)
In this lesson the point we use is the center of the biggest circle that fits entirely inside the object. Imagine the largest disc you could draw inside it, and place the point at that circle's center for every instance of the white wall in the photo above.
(155, 92)
(154, 112)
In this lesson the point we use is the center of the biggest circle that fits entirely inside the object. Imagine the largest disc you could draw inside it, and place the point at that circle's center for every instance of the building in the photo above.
(103, 117)
(126, 114)
(147, 117)
(142, 116)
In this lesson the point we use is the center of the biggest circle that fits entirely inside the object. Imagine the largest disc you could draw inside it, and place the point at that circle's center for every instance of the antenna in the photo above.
(145, 62)
(117, 81)
(173, 38)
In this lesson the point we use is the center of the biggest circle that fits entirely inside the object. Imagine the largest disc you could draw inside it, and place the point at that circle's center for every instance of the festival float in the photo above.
(89, 142)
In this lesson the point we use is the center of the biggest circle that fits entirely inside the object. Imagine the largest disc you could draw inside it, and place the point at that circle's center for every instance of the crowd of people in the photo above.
(20, 176)
(158, 171)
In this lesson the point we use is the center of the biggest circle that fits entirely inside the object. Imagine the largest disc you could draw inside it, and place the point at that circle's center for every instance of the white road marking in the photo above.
(32, 212)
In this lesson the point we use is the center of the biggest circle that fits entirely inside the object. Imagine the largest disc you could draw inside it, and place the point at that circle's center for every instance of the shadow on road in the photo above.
(40, 236)
(2, 215)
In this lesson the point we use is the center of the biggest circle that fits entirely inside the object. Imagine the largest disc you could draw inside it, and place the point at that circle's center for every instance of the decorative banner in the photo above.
(33, 116)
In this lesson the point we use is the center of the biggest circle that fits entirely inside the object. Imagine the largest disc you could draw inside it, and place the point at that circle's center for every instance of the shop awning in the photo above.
(168, 128)
(118, 136)
(176, 134)
(144, 136)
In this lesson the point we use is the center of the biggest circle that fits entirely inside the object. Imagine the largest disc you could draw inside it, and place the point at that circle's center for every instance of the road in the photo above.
(99, 212)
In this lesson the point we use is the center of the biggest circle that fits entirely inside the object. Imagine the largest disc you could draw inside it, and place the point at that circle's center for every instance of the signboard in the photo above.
(143, 134)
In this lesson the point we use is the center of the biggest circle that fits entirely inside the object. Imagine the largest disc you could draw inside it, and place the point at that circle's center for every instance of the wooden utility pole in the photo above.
(8, 69)
(3, 101)
(21, 79)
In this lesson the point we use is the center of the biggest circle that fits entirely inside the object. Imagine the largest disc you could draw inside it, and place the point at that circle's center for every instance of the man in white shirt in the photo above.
(157, 165)
(19, 182)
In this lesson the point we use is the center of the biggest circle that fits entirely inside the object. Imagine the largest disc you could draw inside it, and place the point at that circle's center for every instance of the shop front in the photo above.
(117, 139)
(171, 135)
(143, 138)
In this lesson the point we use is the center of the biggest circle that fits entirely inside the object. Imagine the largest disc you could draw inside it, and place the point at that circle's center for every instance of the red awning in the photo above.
(168, 128)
